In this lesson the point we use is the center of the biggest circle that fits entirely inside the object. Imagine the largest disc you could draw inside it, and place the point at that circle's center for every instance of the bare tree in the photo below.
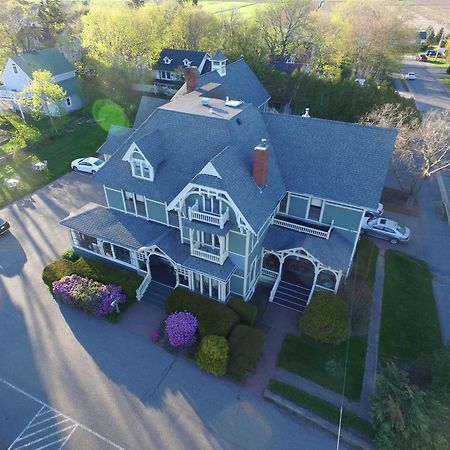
(422, 148)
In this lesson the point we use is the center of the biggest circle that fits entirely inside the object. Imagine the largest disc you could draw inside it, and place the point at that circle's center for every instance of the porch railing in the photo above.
(218, 258)
(214, 219)
(140, 291)
(303, 228)
(322, 288)
(269, 273)
(274, 289)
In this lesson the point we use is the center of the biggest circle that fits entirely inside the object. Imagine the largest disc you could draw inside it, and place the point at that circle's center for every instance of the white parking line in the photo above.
(42, 416)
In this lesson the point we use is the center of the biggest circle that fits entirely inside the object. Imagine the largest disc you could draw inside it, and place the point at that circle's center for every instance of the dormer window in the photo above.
(14, 68)
(186, 62)
(167, 60)
(141, 168)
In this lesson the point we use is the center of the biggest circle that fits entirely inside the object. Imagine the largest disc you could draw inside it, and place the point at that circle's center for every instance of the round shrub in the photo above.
(213, 355)
(70, 255)
(248, 312)
(181, 329)
(326, 318)
(56, 270)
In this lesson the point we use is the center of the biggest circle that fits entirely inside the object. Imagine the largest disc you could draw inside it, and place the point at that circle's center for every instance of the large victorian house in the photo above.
(213, 193)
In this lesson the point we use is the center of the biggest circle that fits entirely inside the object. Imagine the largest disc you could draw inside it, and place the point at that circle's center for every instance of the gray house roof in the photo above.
(334, 160)
(146, 106)
(48, 59)
(117, 135)
(177, 56)
(335, 252)
(133, 233)
(152, 147)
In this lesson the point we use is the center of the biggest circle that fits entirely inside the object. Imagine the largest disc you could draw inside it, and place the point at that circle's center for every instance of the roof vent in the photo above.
(306, 113)
(205, 101)
(233, 103)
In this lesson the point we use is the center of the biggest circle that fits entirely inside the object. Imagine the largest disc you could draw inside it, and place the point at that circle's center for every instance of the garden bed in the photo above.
(409, 322)
(98, 271)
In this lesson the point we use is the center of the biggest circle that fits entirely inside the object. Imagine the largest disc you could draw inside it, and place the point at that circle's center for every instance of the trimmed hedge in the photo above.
(56, 270)
(326, 318)
(248, 312)
(215, 318)
(246, 347)
(213, 355)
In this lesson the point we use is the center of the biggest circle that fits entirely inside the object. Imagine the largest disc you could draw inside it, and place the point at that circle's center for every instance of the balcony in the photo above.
(293, 223)
(208, 217)
(208, 253)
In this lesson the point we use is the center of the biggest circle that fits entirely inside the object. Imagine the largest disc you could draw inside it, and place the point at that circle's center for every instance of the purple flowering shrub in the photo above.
(181, 328)
(90, 296)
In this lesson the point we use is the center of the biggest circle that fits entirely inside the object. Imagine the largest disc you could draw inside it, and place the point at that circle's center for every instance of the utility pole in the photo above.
(440, 41)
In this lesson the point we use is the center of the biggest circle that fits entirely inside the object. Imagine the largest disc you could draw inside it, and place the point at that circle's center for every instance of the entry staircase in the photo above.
(156, 294)
(291, 296)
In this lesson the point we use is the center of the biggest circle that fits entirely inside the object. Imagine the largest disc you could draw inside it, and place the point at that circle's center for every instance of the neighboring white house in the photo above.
(18, 73)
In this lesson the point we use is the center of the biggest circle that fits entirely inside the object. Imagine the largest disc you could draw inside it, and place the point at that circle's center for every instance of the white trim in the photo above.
(209, 169)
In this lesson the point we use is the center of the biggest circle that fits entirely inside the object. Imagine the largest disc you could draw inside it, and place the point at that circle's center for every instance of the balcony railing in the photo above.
(9, 95)
(322, 231)
(269, 273)
(214, 219)
(208, 253)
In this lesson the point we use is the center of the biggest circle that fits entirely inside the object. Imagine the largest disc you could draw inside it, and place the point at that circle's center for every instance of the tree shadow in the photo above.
(12, 255)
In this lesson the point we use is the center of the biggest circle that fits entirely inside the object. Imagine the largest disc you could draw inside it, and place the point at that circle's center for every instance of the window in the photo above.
(68, 102)
(165, 75)
(140, 166)
(315, 208)
(129, 202)
(167, 60)
(212, 205)
(183, 277)
(140, 205)
(122, 254)
(186, 62)
(283, 204)
(14, 68)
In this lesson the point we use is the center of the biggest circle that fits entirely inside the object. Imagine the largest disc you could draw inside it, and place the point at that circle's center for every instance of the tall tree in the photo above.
(51, 18)
(285, 24)
(43, 96)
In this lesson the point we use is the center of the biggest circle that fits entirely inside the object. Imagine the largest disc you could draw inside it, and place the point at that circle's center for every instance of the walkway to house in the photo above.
(280, 321)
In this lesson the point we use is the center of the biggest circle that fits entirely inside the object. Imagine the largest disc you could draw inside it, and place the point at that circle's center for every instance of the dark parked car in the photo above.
(429, 53)
(421, 57)
(4, 226)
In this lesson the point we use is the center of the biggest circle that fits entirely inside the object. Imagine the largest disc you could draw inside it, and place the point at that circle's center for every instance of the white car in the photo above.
(411, 76)
(89, 165)
(385, 229)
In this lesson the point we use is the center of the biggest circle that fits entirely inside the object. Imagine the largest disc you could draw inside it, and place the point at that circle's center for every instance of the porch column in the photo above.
(316, 274)
(338, 281)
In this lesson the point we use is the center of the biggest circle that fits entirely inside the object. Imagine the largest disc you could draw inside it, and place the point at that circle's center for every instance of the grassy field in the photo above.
(242, 8)
(366, 260)
(321, 407)
(58, 150)
(409, 321)
(324, 364)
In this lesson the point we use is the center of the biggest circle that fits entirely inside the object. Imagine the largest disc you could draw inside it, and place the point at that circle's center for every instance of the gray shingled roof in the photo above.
(117, 135)
(133, 233)
(146, 106)
(335, 252)
(71, 85)
(239, 83)
(48, 59)
(177, 56)
(152, 147)
(339, 161)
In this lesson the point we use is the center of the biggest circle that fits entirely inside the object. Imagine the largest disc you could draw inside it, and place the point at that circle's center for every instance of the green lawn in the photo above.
(365, 261)
(244, 8)
(446, 81)
(321, 407)
(324, 364)
(59, 151)
(409, 322)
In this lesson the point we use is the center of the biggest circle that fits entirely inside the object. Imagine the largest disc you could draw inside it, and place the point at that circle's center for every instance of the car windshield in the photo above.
(401, 229)
(98, 162)
(372, 221)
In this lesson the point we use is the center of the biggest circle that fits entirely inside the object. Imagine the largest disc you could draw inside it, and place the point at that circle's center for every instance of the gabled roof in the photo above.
(176, 58)
(117, 135)
(48, 59)
(239, 83)
(286, 67)
(152, 147)
(146, 106)
(71, 85)
(339, 161)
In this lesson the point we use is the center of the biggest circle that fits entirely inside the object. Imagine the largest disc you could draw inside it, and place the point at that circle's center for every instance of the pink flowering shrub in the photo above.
(181, 328)
(155, 335)
(90, 296)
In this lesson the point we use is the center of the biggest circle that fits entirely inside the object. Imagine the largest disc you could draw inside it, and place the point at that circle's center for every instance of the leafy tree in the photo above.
(51, 18)
(406, 417)
(43, 96)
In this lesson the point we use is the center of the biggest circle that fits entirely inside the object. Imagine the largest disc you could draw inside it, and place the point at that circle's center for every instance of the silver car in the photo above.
(385, 229)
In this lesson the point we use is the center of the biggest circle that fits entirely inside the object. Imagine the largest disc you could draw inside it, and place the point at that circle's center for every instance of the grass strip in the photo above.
(321, 407)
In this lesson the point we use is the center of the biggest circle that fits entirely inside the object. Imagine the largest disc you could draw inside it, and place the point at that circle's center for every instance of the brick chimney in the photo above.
(261, 163)
(191, 76)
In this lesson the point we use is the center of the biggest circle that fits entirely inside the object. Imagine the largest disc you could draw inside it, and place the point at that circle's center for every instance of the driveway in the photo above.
(74, 380)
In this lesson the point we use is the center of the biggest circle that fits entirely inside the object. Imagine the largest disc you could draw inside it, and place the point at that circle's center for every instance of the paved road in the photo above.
(430, 93)
(66, 378)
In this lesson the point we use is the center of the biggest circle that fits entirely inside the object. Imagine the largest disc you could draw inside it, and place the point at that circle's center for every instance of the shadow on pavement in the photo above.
(12, 255)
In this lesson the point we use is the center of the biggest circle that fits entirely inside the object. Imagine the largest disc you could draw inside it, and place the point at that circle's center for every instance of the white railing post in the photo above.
(274, 288)
(140, 291)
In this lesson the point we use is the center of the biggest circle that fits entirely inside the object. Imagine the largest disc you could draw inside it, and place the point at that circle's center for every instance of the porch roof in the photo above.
(335, 252)
(133, 233)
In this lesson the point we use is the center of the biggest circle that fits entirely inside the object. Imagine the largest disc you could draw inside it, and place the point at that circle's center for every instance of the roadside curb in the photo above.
(347, 436)
(444, 196)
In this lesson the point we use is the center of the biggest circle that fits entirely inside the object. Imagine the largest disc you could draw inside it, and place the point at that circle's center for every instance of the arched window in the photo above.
(326, 279)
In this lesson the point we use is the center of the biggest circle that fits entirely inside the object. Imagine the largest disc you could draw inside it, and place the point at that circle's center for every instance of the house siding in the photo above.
(115, 199)
(343, 217)
(237, 285)
(237, 243)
